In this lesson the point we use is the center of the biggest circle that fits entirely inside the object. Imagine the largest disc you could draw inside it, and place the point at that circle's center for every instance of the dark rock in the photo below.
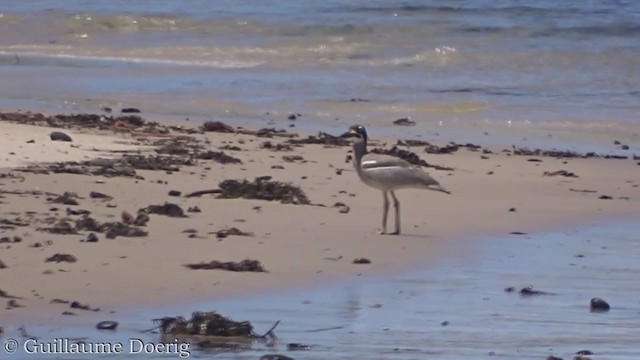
(130, 110)
(297, 347)
(217, 126)
(275, 357)
(174, 193)
(3, 265)
(91, 237)
(168, 209)
(194, 209)
(361, 260)
(292, 117)
(624, 147)
(107, 325)
(60, 136)
(509, 289)
(551, 357)
(58, 258)
(598, 305)
(246, 265)
(584, 352)
(404, 122)
(605, 197)
(444, 323)
(512, 209)
(616, 142)
(529, 291)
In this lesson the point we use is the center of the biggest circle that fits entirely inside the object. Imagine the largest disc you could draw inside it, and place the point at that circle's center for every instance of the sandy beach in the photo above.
(494, 193)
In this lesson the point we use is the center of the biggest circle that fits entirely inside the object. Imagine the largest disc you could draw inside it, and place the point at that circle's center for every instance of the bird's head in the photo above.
(356, 133)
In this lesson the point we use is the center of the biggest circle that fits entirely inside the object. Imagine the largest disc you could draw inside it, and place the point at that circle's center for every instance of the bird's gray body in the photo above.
(387, 174)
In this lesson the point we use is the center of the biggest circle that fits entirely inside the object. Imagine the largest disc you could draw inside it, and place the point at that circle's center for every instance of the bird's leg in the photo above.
(396, 205)
(385, 211)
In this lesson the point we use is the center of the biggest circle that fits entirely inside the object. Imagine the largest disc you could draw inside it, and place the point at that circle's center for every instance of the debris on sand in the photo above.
(409, 157)
(263, 190)
(564, 173)
(219, 157)
(115, 229)
(111, 229)
(61, 227)
(221, 234)
(78, 305)
(58, 258)
(67, 198)
(3, 265)
(404, 122)
(563, 154)
(86, 121)
(4, 294)
(246, 265)
(125, 166)
(167, 209)
(211, 324)
(217, 126)
(277, 147)
(321, 139)
(447, 149)
(99, 195)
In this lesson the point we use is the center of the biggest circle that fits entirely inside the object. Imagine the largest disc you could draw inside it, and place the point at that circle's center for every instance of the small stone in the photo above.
(60, 136)
(624, 147)
(599, 305)
(194, 209)
(361, 260)
(92, 237)
(174, 193)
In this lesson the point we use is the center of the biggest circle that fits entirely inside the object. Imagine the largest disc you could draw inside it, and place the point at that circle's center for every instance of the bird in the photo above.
(387, 174)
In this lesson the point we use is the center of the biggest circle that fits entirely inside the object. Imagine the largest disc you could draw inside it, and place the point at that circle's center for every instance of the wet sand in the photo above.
(301, 246)
(458, 309)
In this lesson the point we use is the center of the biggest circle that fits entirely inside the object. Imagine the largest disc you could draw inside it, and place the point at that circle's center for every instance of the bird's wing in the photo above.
(371, 161)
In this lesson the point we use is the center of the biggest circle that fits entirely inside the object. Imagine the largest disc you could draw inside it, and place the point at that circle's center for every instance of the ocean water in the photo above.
(455, 309)
(560, 65)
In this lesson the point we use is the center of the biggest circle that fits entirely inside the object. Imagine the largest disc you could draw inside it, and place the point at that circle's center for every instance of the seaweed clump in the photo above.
(263, 190)
(409, 157)
(205, 324)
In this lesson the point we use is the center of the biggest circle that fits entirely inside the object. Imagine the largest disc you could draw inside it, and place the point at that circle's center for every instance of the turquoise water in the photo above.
(559, 65)
(456, 309)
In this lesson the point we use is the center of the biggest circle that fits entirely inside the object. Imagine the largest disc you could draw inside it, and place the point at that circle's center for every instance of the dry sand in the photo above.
(299, 245)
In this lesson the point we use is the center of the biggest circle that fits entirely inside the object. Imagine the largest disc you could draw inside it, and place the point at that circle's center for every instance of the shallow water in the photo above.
(553, 65)
(456, 309)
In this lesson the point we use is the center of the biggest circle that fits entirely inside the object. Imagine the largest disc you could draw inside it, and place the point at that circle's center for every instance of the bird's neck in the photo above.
(359, 150)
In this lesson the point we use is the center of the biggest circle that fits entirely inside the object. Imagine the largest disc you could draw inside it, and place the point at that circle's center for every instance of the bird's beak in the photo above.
(349, 134)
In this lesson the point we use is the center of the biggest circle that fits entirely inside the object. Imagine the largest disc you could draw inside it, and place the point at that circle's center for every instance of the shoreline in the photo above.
(319, 232)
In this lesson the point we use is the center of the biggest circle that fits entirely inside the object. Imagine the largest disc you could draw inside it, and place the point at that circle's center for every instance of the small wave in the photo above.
(68, 60)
